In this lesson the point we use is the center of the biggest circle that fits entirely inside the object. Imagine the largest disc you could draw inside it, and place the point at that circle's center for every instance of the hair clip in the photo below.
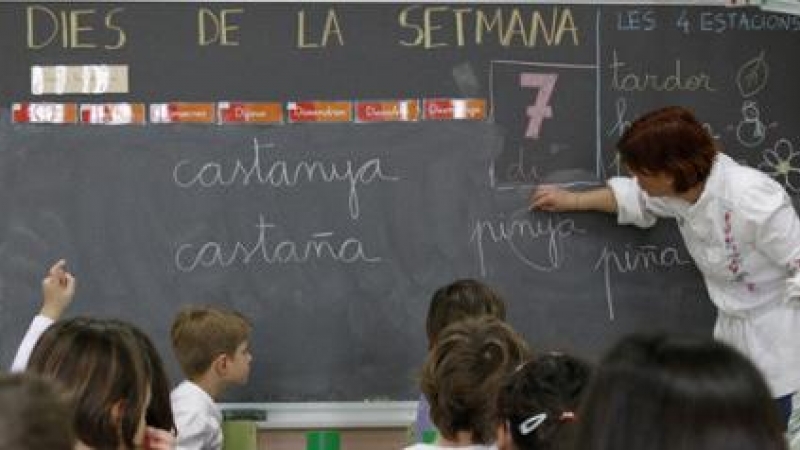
(567, 416)
(530, 424)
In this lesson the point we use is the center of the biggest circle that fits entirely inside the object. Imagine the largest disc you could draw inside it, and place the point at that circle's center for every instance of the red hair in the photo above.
(669, 141)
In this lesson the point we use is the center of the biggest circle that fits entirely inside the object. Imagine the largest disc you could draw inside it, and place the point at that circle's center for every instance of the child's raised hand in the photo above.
(157, 439)
(58, 289)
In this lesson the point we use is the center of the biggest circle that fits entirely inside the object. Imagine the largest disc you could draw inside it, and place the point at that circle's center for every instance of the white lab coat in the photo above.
(744, 236)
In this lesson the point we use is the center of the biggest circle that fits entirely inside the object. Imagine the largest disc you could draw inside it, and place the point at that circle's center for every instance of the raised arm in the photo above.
(58, 289)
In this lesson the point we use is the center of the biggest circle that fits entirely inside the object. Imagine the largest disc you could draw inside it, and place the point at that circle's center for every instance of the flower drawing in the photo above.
(782, 163)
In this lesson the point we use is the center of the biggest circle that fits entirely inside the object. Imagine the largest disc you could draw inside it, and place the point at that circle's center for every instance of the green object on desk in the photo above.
(323, 440)
(429, 436)
(239, 435)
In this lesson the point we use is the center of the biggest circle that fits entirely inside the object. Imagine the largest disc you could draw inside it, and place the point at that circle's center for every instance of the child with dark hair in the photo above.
(461, 378)
(33, 415)
(159, 413)
(537, 406)
(105, 374)
(58, 290)
(675, 393)
(459, 300)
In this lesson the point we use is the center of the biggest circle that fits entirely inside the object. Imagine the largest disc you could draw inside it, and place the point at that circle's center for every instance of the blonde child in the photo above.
(212, 347)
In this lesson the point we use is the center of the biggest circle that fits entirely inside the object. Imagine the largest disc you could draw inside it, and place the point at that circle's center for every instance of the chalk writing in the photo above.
(218, 27)
(523, 237)
(628, 80)
(445, 26)
(280, 174)
(632, 259)
(331, 31)
(636, 20)
(322, 245)
(683, 23)
(720, 22)
(74, 28)
(622, 121)
(521, 172)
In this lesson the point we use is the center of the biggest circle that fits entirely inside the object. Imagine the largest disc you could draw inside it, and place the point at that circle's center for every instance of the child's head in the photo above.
(206, 338)
(672, 393)
(33, 416)
(104, 373)
(463, 373)
(460, 300)
(537, 405)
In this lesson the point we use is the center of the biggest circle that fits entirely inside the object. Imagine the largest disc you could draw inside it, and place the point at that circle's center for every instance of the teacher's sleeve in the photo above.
(631, 203)
(777, 229)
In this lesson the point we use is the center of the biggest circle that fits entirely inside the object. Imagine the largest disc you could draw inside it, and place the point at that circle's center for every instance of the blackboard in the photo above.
(335, 268)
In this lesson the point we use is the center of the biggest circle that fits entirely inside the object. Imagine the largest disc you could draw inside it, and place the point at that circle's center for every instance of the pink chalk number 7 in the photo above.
(540, 110)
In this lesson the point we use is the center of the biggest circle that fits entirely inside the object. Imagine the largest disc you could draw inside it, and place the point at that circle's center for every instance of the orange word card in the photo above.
(388, 111)
(332, 112)
(113, 113)
(179, 112)
(255, 113)
(56, 113)
(455, 109)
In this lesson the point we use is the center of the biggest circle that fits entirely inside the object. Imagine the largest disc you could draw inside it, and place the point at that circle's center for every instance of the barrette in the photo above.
(530, 424)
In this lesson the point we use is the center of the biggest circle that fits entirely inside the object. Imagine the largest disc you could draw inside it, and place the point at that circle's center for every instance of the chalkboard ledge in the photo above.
(367, 414)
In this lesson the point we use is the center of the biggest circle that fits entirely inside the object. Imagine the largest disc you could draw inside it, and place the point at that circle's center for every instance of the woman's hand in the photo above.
(554, 199)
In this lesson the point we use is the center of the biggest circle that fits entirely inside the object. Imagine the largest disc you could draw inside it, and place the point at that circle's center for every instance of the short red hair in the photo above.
(670, 141)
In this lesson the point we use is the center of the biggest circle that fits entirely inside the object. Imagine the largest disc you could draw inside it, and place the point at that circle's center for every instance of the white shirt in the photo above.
(197, 418)
(744, 236)
(38, 326)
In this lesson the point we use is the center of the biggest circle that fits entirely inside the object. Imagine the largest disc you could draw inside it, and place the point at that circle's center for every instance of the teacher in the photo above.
(737, 223)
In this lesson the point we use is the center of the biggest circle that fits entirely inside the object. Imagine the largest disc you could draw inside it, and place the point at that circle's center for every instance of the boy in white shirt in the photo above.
(212, 347)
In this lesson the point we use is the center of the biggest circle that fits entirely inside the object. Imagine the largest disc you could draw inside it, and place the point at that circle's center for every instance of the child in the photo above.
(537, 405)
(461, 378)
(674, 393)
(212, 348)
(456, 301)
(106, 376)
(33, 416)
(58, 290)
